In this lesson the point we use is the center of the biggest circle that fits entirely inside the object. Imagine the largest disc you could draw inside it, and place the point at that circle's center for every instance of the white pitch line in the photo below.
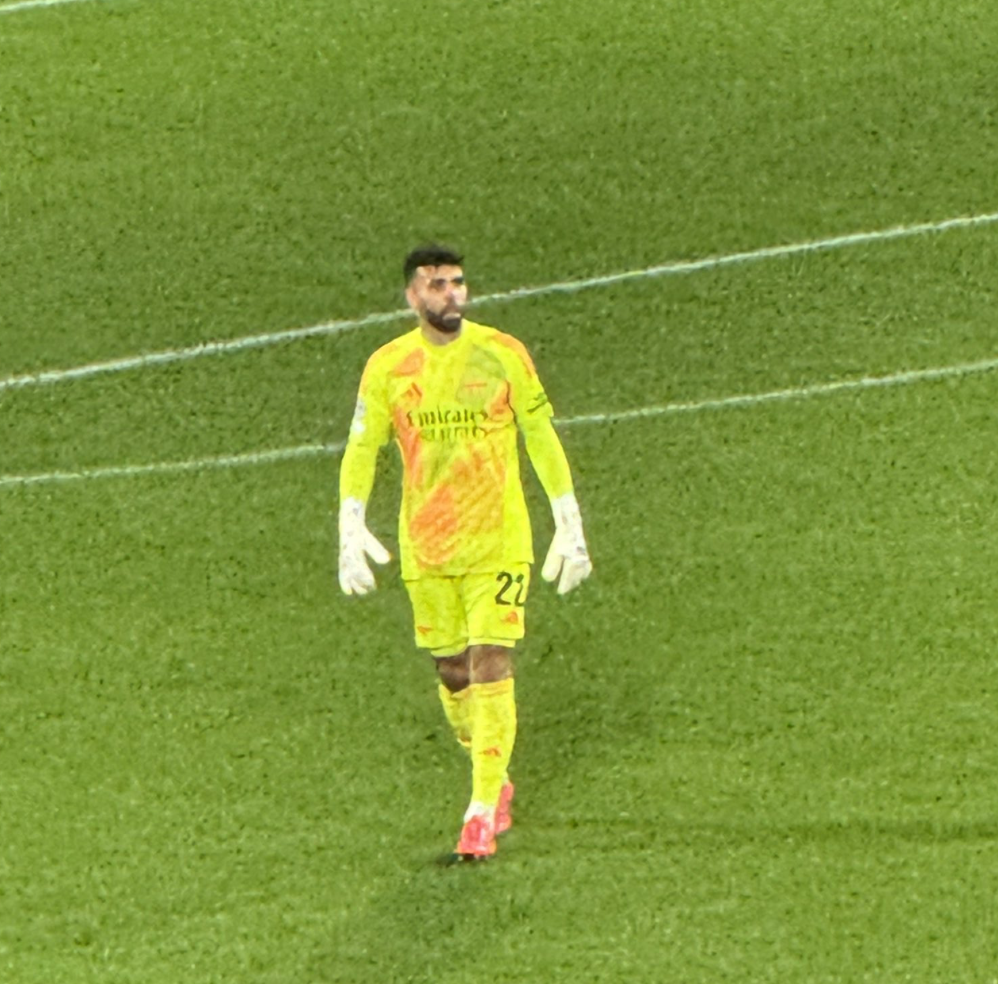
(732, 259)
(193, 352)
(173, 467)
(569, 286)
(12, 8)
(722, 403)
(793, 393)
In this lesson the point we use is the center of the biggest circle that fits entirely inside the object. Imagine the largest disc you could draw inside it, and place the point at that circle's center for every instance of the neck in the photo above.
(437, 337)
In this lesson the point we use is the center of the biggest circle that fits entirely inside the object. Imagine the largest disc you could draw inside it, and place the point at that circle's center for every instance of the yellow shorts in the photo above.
(452, 613)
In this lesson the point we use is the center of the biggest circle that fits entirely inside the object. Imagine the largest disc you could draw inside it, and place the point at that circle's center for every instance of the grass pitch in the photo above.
(756, 746)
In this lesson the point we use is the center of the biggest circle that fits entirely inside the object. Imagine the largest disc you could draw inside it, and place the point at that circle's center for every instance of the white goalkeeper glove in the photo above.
(568, 555)
(357, 543)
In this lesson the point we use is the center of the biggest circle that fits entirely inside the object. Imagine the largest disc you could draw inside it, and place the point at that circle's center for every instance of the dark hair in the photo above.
(431, 254)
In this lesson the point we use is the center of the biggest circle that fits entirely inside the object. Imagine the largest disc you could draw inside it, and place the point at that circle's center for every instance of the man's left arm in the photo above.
(567, 559)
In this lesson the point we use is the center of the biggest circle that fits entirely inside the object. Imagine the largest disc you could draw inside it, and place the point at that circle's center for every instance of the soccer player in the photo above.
(453, 394)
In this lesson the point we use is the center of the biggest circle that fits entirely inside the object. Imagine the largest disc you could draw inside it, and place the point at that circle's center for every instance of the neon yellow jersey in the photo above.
(454, 410)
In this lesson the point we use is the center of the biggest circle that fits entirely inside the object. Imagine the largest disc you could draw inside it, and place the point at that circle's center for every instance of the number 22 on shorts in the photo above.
(511, 589)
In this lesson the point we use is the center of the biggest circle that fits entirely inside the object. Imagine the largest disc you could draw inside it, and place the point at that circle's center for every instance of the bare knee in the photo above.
(454, 671)
(489, 664)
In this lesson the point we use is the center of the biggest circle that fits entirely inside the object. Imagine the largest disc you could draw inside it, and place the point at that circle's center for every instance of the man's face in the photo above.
(439, 295)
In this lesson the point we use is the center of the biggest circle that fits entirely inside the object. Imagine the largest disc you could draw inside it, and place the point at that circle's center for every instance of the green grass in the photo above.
(756, 746)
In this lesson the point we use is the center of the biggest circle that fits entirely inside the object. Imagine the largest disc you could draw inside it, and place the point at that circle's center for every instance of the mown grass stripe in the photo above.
(904, 378)
(679, 267)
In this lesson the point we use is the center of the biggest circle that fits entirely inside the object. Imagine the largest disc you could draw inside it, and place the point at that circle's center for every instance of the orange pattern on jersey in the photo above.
(412, 364)
(481, 474)
(464, 503)
(434, 527)
(410, 446)
(499, 408)
(453, 411)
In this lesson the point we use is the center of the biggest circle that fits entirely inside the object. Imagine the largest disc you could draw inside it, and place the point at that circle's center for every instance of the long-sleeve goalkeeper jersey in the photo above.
(454, 411)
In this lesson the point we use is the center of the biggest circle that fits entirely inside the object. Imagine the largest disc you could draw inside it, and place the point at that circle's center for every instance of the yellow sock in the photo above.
(457, 707)
(493, 733)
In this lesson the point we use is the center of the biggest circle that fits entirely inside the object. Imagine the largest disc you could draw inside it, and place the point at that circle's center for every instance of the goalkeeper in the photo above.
(453, 394)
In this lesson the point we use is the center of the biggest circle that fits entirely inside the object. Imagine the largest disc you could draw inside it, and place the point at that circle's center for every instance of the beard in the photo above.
(446, 321)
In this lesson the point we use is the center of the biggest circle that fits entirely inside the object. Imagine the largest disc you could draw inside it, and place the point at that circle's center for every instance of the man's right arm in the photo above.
(369, 431)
